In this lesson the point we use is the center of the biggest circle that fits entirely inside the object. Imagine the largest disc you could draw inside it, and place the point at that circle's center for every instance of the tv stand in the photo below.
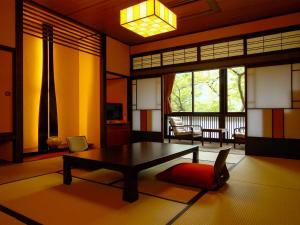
(118, 133)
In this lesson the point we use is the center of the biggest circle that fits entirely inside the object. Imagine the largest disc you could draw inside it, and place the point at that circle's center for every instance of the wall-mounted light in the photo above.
(148, 18)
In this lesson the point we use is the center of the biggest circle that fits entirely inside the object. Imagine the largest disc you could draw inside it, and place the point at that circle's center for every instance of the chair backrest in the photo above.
(177, 125)
(220, 163)
(77, 143)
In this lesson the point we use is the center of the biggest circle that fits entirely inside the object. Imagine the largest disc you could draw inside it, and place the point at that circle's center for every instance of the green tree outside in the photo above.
(206, 91)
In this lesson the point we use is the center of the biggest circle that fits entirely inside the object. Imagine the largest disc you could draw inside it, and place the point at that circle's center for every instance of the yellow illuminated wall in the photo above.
(32, 80)
(66, 76)
(89, 97)
(77, 87)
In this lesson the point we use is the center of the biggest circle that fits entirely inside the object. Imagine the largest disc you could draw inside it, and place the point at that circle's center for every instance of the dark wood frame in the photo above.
(103, 130)
(18, 117)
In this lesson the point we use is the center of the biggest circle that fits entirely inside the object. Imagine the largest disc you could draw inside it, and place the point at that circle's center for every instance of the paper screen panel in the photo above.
(272, 42)
(291, 39)
(149, 93)
(255, 45)
(168, 58)
(179, 56)
(291, 123)
(221, 50)
(136, 120)
(260, 123)
(207, 52)
(156, 120)
(272, 87)
(137, 63)
(251, 87)
(236, 48)
(190, 54)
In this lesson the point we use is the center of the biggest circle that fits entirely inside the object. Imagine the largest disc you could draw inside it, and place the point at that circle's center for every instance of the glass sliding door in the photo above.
(181, 97)
(207, 91)
(210, 98)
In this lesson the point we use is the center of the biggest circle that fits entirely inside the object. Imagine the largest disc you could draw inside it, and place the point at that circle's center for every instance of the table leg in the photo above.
(221, 138)
(130, 191)
(196, 156)
(227, 137)
(67, 172)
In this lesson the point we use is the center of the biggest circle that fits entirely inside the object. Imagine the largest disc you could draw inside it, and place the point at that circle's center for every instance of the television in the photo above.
(114, 111)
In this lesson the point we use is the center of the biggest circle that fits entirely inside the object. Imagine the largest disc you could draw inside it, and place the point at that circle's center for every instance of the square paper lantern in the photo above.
(148, 18)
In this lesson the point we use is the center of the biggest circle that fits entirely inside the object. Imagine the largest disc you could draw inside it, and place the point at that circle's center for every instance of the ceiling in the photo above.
(193, 15)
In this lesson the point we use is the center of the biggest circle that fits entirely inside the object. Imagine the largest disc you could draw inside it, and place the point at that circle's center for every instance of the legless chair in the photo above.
(77, 143)
(205, 176)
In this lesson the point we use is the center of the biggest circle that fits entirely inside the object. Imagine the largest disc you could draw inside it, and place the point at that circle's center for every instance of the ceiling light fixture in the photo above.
(148, 18)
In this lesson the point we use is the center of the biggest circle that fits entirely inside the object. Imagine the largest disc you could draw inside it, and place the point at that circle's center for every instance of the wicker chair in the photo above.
(239, 136)
(181, 131)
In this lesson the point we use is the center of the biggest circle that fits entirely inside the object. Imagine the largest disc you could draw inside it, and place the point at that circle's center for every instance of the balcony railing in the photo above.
(229, 121)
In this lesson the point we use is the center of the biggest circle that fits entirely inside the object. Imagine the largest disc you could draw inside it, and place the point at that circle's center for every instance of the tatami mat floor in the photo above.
(261, 191)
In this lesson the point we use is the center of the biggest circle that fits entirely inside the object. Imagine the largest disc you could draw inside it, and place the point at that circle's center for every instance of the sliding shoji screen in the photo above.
(146, 105)
(273, 97)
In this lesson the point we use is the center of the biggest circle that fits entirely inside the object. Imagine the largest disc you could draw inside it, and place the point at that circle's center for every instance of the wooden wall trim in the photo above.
(103, 128)
(118, 74)
(7, 48)
(275, 147)
(18, 85)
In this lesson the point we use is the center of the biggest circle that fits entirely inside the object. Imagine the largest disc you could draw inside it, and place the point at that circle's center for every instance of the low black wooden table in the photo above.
(128, 159)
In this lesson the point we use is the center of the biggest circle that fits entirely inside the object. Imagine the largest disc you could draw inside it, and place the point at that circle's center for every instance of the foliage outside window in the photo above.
(206, 91)
(181, 97)
(236, 89)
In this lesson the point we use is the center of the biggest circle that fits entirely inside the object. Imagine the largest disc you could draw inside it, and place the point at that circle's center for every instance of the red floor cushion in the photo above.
(192, 174)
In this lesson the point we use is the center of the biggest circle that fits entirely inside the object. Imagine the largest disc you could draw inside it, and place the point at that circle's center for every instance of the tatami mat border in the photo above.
(18, 216)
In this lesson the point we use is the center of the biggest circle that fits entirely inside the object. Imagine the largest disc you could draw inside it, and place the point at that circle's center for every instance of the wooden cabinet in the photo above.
(118, 134)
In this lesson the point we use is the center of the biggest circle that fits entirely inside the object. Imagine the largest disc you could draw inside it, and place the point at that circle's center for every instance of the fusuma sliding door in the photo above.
(147, 110)
(6, 104)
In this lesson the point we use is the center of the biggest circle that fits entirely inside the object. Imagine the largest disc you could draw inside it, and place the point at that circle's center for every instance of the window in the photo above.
(206, 91)
(236, 89)
(209, 91)
(181, 97)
